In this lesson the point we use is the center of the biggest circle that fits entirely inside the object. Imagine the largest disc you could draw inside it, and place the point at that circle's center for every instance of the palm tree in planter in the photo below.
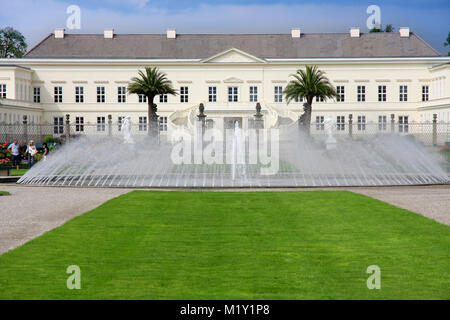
(151, 83)
(308, 83)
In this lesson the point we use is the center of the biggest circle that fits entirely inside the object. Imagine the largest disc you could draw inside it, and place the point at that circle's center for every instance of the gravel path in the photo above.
(32, 211)
(430, 201)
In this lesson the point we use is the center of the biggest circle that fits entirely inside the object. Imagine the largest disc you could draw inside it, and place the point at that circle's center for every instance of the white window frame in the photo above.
(403, 93)
(403, 124)
(278, 94)
(162, 124)
(212, 94)
(120, 122)
(340, 123)
(184, 94)
(382, 123)
(361, 123)
(57, 94)
(425, 93)
(3, 90)
(143, 123)
(382, 93)
(79, 124)
(121, 94)
(163, 98)
(233, 94)
(361, 94)
(58, 125)
(101, 96)
(142, 98)
(253, 92)
(37, 94)
(320, 125)
(79, 94)
(101, 124)
(340, 90)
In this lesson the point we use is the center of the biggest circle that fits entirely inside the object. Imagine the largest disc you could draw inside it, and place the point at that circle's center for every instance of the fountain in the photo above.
(331, 140)
(301, 160)
(238, 153)
(126, 130)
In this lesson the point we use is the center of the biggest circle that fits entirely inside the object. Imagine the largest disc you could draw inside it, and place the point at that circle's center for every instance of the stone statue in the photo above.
(126, 130)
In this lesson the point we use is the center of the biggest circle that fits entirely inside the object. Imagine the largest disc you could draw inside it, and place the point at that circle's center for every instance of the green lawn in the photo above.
(4, 193)
(232, 245)
(15, 172)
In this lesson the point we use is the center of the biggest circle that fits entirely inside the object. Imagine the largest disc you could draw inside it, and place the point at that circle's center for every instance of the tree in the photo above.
(389, 28)
(12, 43)
(309, 83)
(150, 84)
(447, 43)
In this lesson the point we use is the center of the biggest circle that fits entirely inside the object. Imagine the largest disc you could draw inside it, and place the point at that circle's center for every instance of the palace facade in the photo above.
(377, 76)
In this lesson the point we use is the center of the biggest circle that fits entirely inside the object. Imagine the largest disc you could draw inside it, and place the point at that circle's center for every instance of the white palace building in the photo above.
(377, 76)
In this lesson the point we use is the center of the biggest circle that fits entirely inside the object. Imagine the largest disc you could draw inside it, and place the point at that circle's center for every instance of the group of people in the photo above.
(24, 151)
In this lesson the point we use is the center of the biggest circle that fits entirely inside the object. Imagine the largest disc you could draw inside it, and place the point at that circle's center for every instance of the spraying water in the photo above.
(301, 161)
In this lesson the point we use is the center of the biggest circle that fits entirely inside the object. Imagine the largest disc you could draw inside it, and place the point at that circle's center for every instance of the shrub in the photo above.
(51, 139)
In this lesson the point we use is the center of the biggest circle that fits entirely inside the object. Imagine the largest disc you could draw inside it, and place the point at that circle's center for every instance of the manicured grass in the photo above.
(20, 172)
(4, 193)
(231, 245)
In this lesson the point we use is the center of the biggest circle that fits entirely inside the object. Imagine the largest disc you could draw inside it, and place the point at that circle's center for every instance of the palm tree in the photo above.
(150, 84)
(308, 84)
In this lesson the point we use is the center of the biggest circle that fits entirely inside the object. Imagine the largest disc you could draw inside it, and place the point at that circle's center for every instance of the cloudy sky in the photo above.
(430, 19)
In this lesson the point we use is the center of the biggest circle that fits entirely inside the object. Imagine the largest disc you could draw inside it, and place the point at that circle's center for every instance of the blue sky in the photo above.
(430, 19)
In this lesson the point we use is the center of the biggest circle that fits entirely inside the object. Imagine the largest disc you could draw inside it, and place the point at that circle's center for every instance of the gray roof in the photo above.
(192, 46)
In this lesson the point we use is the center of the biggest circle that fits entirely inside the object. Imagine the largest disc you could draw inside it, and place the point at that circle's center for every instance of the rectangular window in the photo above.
(340, 123)
(361, 93)
(381, 93)
(298, 99)
(278, 94)
(403, 93)
(184, 94)
(319, 123)
(101, 124)
(142, 98)
(163, 98)
(142, 123)
(58, 125)
(162, 124)
(340, 94)
(361, 123)
(57, 94)
(37, 95)
(425, 93)
(403, 124)
(253, 94)
(119, 122)
(100, 94)
(79, 124)
(233, 94)
(79, 94)
(3, 90)
(212, 94)
(319, 99)
(382, 123)
(121, 94)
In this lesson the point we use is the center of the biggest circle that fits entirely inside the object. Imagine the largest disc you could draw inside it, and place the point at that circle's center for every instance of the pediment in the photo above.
(233, 55)
(233, 80)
